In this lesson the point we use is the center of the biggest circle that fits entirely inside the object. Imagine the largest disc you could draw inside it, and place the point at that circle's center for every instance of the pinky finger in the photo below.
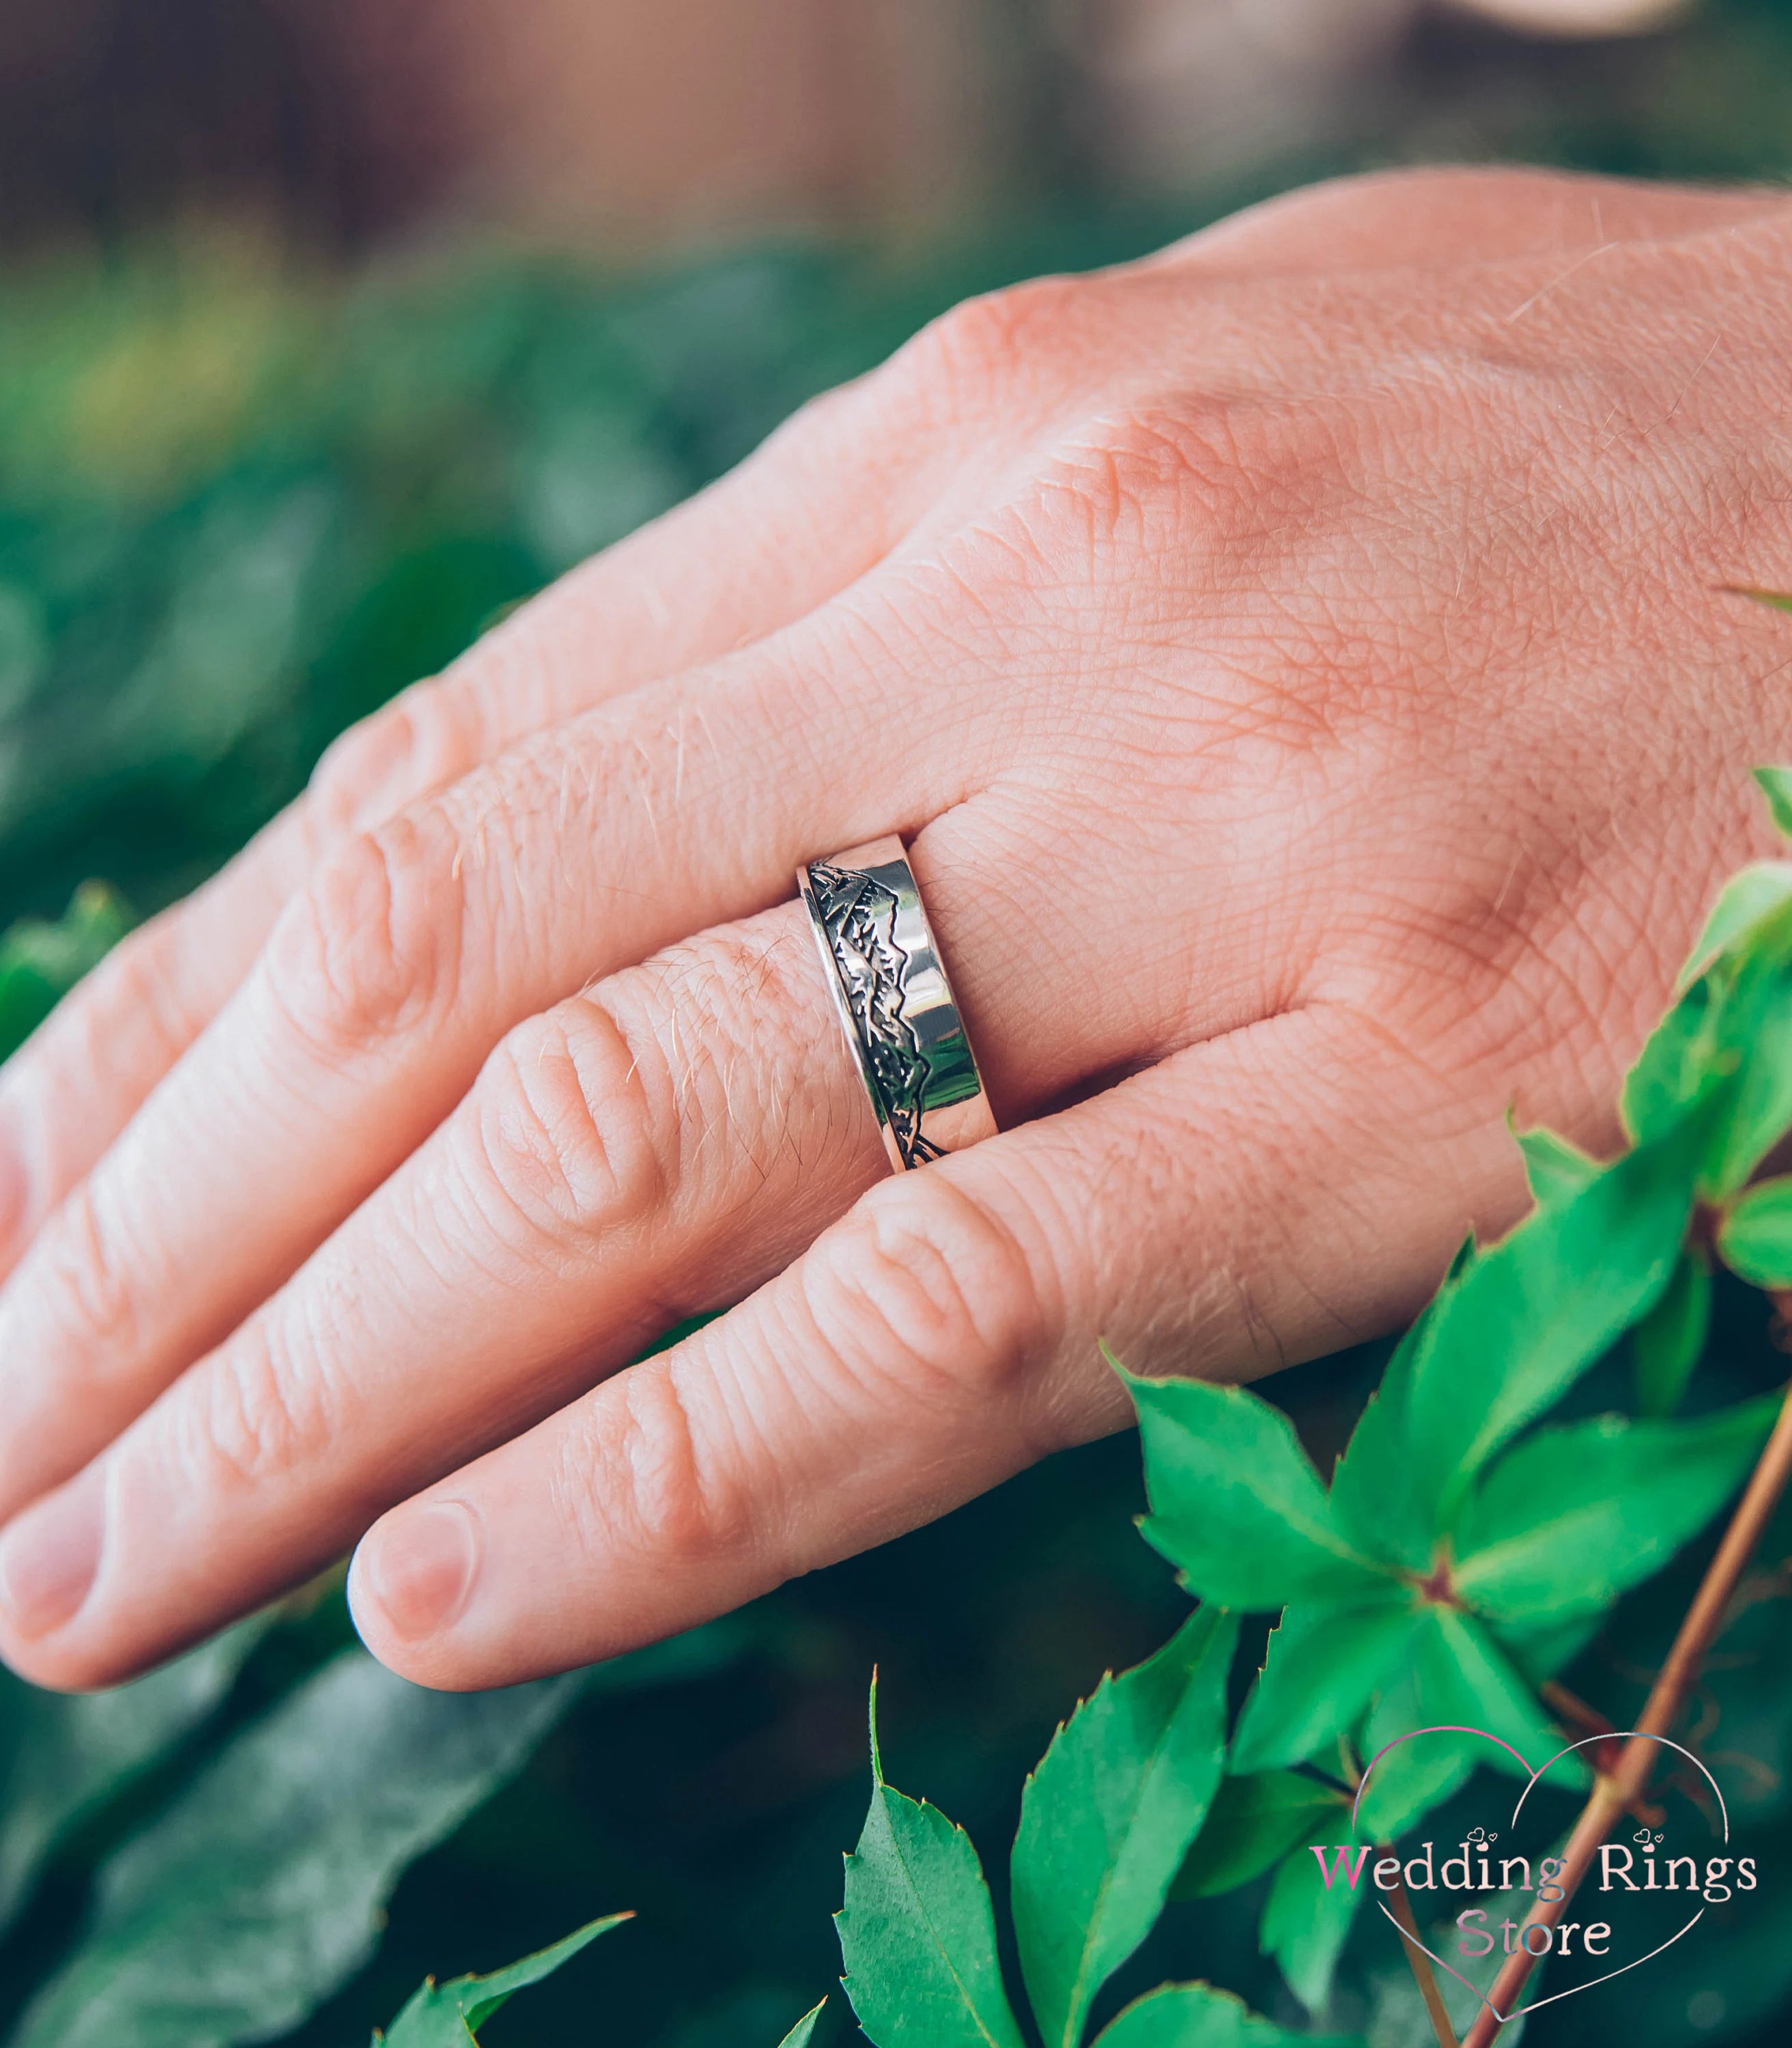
(1221, 1214)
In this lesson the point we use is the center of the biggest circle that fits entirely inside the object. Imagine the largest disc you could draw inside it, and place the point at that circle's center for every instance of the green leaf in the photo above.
(1555, 1169)
(1539, 1650)
(803, 2031)
(1670, 1341)
(916, 1931)
(1376, 1500)
(1195, 2015)
(1754, 1238)
(1575, 1514)
(40, 962)
(1108, 1818)
(1746, 900)
(1464, 1679)
(1733, 1023)
(1529, 1316)
(1406, 1782)
(1305, 1924)
(257, 1892)
(64, 1757)
(449, 2015)
(1678, 1058)
(1236, 1504)
(1776, 783)
(1254, 1821)
(1407, 1779)
(1324, 1663)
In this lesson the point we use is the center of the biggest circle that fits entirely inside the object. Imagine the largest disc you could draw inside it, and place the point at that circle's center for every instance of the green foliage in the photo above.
(198, 1940)
(450, 2015)
(1744, 901)
(1195, 2015)
(1108, 1816)
(1236, 1504)
(1255, 1819)
(65, 1758)
(1324, 1664)
(918, 1933)
(1305, 1924)
(1755, 1237)
(1408, 1781)
(1776, 782)
(1733, 1026)
(1555, 1169)
(1106, 1820)
(1462, 1552)
(1577, 1513)
(243, 501)
(803, 2031)
(1528, 1318)
(1666, 1345)
(197, 1934)
(40, 962)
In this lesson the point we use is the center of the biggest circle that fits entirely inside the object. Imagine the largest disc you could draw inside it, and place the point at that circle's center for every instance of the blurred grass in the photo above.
(242, 503)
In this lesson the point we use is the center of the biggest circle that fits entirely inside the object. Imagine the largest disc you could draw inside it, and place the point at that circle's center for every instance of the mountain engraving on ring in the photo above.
(858, 914)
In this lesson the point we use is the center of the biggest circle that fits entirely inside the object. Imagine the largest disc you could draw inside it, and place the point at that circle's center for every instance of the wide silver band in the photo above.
(889, 986)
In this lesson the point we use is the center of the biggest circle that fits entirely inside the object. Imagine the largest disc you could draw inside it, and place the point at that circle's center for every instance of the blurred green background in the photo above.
(281, 426)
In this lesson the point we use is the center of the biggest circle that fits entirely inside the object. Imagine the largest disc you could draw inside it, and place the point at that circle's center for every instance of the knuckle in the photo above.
(708, 1021)
(421, 741)
(922, 1286)
(250, 1416)
(1141, 478)
(637, 1478)
(992, 344)
(88, 1278)
(368, 948)
(140, 979)
(570, 1134)
(1136, 464)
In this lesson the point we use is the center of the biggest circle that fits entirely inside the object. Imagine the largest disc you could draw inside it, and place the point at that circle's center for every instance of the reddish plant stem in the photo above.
(1616, 1791)
(1572, 1711)
(1423, 1975)
(1417, 1955)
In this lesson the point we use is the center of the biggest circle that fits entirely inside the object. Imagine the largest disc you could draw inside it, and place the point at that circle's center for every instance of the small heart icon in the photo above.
(1482, 1838)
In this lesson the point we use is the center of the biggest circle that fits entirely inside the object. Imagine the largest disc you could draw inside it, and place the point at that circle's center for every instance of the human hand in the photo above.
(1299, 664)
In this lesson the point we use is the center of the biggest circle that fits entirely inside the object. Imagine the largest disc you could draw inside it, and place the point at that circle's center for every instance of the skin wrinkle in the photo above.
(87, 1278)
(247, 1422)
(1256, 1141)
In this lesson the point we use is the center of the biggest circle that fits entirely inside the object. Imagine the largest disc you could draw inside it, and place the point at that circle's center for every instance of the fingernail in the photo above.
(50, 1555)
(419, 1565)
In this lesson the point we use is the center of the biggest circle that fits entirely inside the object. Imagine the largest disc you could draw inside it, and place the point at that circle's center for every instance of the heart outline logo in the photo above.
(1568, 1749)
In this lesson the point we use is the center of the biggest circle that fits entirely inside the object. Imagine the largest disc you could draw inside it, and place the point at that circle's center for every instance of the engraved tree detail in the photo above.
(858, 914)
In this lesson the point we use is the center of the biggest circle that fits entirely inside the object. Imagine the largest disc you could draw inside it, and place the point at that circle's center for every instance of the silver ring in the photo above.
(888, 985)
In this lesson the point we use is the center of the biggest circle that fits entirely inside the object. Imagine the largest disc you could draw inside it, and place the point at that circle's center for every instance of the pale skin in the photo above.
(1302, 668)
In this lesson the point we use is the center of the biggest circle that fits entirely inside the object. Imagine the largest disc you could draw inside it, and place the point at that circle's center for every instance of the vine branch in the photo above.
(1401, 1905)
(1615, 1790)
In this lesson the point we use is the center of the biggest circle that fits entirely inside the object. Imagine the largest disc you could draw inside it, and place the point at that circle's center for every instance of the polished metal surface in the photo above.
(888, 985)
